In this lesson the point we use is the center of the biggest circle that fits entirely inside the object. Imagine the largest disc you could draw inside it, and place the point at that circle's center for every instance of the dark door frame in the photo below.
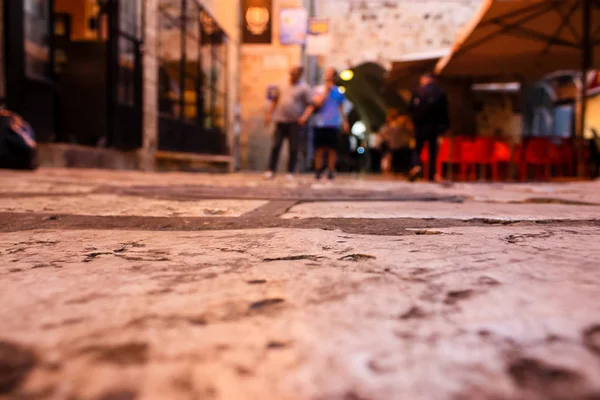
(123, 131)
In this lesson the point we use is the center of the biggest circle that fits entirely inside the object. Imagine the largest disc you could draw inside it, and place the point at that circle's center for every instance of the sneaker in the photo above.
(318, 175)
(269, 175)
(331, 175)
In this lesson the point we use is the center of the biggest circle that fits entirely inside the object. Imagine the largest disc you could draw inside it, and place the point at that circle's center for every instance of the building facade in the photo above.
(159, 80)
(384, 31)
(2, 80)
(363, 31)
(144, 80)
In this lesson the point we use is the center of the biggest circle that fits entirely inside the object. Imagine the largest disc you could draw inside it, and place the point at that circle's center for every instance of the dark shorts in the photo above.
(326, 138)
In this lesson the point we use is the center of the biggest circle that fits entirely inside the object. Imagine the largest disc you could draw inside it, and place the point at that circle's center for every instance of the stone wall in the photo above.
(384, 30)
(373, 30)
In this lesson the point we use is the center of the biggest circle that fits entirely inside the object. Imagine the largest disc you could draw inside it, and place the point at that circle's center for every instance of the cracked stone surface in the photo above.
(466, 210)
(111, 295)
(109, 205)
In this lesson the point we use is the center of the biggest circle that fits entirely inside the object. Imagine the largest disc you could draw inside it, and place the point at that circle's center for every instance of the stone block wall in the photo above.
(367, 31)
(363, 30)
(384, 30)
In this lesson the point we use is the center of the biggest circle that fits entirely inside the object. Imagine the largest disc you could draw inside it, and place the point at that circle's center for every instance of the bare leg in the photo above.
(331, 159)
(319, 160)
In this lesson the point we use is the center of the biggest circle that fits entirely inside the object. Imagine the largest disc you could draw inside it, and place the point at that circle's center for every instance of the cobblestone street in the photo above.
(130, 285)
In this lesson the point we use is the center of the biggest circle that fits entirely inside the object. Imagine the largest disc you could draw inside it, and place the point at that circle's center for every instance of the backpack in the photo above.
(18, 149)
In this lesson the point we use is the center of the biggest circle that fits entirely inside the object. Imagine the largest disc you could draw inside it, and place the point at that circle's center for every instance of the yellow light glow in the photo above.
(342, 89)
(347, 75)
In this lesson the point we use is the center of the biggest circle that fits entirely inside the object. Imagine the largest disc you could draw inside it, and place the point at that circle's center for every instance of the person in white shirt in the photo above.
(290, 110)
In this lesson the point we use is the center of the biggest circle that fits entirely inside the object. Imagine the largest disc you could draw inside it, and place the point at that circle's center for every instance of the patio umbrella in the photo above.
(527, 39)
(406, 71)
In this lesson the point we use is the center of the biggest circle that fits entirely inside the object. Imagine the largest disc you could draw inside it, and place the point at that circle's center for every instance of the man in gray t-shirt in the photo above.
(290, 109)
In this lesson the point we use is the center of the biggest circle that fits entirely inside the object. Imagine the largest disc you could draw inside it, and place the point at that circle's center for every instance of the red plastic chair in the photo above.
(466, 157)
(535, 152)
(486, 152)
(502, 154)
(484, 155)
(561, 157)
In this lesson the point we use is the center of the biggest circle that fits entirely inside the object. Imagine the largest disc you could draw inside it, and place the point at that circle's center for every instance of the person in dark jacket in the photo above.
(429, 112)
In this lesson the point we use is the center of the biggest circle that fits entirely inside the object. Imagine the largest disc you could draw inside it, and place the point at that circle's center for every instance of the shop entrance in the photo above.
(75, 69)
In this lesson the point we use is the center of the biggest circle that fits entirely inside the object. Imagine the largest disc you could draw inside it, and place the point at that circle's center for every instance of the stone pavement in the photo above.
(127, 285)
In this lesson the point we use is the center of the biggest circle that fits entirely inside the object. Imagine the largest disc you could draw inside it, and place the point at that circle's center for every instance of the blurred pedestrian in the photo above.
(396, 136)
(329, 118)
(290, 109)
(429, 112)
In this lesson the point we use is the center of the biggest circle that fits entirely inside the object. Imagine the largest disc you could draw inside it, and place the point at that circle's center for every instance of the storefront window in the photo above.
(130, 35)
(215, 74)
(126, 84)
(37, 28)
(170, 58)
(192, 65)
(191, 61)
(130, 13)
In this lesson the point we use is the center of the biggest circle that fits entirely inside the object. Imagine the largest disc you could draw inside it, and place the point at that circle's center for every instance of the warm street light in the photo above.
(347, 75)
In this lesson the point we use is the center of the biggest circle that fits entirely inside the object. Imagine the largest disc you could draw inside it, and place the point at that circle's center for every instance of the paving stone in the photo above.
(441, 210)
(113, 205)
(110, 305)
(495, 312)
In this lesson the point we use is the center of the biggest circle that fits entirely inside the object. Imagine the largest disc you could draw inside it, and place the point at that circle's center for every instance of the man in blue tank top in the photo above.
(329, 118)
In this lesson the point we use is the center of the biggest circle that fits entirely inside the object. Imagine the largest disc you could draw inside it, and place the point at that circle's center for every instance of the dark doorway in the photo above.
(75, 70)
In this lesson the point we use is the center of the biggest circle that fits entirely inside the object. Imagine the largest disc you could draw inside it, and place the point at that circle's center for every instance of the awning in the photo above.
(526, 39)
(405, 71)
